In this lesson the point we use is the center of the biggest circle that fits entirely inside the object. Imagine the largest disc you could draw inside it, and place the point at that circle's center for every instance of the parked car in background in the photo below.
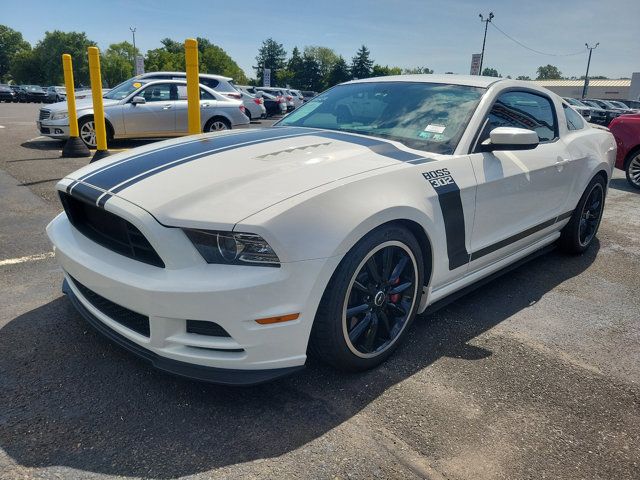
(579, 107)
(253, 106)
(298, 99)
(34, 93)
(308, 94)
(17, 90)
(56, 94)
(597, 115)
(274, 105)
(140, 108)
(626, 130)
(222, 85)
(631, 103)
(282, 93)
(7, 94)
(612, 112)
(623, 106)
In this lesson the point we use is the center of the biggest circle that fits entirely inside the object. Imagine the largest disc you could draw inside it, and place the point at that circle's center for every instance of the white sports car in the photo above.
(227, 257)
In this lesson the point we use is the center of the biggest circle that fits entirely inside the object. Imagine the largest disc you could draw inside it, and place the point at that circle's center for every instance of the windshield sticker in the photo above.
(137, 84)
(435, 128)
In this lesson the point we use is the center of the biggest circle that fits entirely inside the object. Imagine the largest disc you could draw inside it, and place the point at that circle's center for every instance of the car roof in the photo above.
(467, 80)
(206, 75)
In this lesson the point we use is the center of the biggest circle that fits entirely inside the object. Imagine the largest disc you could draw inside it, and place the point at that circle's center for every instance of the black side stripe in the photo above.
(452, 214)
(454, 227)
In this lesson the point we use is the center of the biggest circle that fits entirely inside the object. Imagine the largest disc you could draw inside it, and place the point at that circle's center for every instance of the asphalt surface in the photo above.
(535, 375)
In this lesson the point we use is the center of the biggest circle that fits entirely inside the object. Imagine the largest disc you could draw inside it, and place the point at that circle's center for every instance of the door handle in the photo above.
(167, 107)
(205, 105)
(561, 162)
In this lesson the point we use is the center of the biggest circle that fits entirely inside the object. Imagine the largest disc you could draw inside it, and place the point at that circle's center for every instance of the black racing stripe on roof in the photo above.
(126, 171)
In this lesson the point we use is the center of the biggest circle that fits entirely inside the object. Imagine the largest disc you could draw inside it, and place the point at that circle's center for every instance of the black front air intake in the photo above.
(125, 317)
(109, 230)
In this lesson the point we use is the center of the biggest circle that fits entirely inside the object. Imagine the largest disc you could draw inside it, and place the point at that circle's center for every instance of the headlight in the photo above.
(233, 248)
(59, 115)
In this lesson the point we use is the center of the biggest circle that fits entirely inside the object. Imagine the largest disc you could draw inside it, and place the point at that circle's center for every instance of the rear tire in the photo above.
(578, 235)
(370, 301)
(633, 170)
(217, 124)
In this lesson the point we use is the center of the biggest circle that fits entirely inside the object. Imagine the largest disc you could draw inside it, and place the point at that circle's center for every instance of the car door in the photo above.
(520, 192)
(154, 117)
(207, 103)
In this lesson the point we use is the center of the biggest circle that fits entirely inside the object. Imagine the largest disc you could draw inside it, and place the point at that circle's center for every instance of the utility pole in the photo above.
(586, 76)
(486, 25)
(133, 32)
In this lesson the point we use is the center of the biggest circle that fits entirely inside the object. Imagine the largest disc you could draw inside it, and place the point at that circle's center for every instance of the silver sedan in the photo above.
(141, 108)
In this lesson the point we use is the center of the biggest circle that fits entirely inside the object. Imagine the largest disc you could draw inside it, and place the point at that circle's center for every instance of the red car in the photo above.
(626, 130)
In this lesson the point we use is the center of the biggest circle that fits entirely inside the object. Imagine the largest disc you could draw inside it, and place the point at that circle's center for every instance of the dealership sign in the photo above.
(266, 77)
(475, 63)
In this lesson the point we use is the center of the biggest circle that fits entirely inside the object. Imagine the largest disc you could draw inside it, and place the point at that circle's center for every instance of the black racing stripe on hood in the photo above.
(380, 147)
(124, 171)
(85, 192)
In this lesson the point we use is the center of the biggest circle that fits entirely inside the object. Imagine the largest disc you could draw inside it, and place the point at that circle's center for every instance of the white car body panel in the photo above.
(312, 194)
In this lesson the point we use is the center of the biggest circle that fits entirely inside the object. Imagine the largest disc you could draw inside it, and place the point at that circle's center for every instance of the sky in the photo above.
(441, 35)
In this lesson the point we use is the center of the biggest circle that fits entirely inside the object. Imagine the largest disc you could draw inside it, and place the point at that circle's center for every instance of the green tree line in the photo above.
(42, 63)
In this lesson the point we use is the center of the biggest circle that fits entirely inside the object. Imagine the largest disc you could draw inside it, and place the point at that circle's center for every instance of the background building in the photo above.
(624, 89)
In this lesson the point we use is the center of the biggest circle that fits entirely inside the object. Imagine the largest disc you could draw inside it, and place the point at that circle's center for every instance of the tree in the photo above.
(271, 55)
(294, 68)
(11, 43)
(116, 64)
(24, 67)
(310, 79)
(548, 72)
(213, 59)
(361, 64)
(490, 72)
(339, 73)
(523, 77)
(417, 70)
(380, 71)
(325, 58)
(47, 58)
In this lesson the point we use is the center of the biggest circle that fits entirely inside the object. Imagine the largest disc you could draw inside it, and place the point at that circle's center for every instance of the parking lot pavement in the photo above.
(534, 375)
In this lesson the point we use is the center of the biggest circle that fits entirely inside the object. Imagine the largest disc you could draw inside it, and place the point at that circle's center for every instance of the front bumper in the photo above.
(221, 376)
(54, 128)
(189, 289)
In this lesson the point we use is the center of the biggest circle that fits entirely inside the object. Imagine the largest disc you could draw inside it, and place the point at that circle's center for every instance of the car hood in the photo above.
(81, 104)
(217, 180)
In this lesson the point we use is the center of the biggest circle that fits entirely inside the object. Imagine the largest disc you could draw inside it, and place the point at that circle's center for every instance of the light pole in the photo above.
(486, 25)
(586, 76)
(133, 33)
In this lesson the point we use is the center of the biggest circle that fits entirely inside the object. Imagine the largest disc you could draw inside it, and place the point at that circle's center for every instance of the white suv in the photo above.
(222, 85)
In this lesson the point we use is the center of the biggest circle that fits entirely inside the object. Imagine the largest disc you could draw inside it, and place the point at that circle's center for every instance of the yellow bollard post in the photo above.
(193, 85)
(74, 146)
(98, 107)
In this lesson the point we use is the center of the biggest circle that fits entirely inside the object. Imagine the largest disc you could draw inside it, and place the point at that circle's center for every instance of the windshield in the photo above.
(617, 104)
(424, 116)
(124, 89)
(573, 101)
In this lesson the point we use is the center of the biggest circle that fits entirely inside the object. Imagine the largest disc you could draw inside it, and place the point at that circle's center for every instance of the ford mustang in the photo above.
(228, 256)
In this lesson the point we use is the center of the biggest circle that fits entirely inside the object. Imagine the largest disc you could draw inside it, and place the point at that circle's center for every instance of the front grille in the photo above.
(206, 328)
(125, 317)
(44, 114)
(109, 230)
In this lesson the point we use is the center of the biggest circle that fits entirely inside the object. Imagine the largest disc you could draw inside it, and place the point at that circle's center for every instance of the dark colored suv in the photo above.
(7, 94)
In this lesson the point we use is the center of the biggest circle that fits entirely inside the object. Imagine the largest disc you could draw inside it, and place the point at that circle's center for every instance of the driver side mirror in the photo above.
(137, 100)
(510, 138)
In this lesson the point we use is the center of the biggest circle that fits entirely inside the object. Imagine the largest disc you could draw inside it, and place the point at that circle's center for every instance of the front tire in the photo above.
(370, 301)
(578, 235)
(633, 170)
(87, 130)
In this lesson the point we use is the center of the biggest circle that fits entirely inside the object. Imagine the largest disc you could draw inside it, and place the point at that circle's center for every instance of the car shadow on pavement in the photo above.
(623, 185)
(70, 398)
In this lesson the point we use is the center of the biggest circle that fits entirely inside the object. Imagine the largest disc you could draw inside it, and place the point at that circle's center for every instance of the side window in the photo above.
(574, 119)
(522, 110)
(204, 95)
(209, 82)
(161, 92)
